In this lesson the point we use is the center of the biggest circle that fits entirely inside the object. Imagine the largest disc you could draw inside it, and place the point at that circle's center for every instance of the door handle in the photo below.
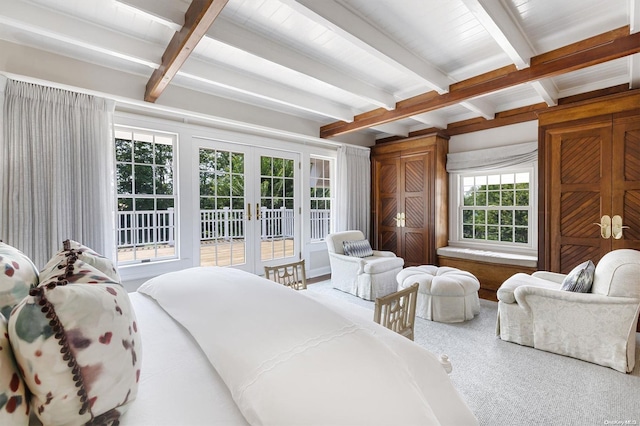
(617, 227)
(402, 220)
(248, 211)
(605, 226)
(258, 211)
(398, 220)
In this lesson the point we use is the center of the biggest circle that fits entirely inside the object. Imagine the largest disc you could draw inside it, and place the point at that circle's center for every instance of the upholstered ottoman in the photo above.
(444, 294)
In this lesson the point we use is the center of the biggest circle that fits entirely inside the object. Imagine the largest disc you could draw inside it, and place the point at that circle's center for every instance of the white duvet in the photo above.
(288, 359)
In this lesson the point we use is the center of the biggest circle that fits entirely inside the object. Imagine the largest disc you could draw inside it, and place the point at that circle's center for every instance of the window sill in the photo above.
(489, 256)
(145, 270)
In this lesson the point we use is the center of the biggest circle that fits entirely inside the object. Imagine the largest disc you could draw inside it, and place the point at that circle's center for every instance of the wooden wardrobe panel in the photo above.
(386, 185)
(589, 167)
(580, 193)
(626, 179)
(407, 179)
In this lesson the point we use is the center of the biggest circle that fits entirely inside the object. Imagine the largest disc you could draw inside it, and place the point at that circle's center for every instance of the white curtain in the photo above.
(57, 170)
(353, 190)
(492, 158)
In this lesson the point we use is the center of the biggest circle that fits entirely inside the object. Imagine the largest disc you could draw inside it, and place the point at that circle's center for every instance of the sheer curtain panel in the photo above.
(57, 170)
(353, 189)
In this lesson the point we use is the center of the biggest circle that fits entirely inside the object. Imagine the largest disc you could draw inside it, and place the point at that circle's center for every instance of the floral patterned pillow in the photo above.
(84, 253)
(76, 341)
(14, 407)
(17, 275)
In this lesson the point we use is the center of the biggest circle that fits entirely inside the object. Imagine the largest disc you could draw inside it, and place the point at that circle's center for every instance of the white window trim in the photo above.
(455, 220)
(176, 232)
(332, 190)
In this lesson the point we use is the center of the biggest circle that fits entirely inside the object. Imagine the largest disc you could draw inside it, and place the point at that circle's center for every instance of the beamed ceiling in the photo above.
(394, 68)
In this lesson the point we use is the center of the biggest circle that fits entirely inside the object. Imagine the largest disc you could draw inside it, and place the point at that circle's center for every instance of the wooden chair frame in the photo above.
(397, 311)
(291, 275)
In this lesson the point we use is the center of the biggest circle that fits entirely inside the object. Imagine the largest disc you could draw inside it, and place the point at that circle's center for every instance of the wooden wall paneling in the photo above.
(441, 193)
(490, 275)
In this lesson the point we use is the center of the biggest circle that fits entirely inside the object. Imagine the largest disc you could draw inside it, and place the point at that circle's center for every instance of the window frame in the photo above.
(456, 205)
(331, 199)
(155, 196)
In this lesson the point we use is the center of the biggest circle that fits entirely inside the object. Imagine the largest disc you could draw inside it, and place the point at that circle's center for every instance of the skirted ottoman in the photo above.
(444, 294)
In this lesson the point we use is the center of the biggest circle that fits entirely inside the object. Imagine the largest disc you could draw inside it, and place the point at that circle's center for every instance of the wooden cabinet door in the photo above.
(416, 200)
(626, 180)
(404, 199)
(387, 204)
(409, 178)
(579, 193)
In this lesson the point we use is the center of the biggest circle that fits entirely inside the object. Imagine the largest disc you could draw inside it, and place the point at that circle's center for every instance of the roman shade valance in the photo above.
(492, 158)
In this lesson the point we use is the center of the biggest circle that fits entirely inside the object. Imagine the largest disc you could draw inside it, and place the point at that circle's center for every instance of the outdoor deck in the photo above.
(227, 252)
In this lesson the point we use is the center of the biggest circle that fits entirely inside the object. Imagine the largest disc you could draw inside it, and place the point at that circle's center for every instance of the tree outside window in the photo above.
(320, 198)
(146, 195)
(496, 207)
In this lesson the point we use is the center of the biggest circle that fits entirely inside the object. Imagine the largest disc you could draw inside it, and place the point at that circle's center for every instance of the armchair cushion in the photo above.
(507, 289)
(359, 248)
(379, 264)
(580, 279)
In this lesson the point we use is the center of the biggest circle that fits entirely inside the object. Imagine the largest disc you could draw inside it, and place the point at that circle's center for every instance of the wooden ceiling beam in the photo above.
(511, 116)
(583, 54)
(197, 20)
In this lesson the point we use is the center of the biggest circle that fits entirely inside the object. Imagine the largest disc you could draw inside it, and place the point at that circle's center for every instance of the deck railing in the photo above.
(158, 227)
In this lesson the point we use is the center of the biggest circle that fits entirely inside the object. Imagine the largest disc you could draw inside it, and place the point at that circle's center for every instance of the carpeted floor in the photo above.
(507, 384)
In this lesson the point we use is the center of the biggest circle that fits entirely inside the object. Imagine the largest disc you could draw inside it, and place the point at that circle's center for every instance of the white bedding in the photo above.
(178, 386)
(285, 359)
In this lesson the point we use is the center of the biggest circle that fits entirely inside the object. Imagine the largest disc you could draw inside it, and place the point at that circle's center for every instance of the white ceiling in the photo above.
(329, 60)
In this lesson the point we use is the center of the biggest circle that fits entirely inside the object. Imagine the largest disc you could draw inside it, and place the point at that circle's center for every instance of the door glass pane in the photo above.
(276, 208)
(222, 214)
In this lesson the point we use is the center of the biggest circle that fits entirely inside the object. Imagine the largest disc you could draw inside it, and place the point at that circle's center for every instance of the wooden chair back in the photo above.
(397, 311)
(290, 274)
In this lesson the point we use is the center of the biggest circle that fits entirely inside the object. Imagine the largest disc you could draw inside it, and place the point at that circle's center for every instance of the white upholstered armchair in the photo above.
(367, 277)
(598, 327)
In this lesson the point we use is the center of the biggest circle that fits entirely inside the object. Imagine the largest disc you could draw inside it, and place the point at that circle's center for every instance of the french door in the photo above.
(249, 214)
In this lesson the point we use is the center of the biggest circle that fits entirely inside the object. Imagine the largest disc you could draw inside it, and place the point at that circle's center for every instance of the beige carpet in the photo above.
(507, 384)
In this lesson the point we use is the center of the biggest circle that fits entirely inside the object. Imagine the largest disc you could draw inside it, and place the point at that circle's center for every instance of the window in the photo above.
(320, 199)
(146, 195)
(496, 208)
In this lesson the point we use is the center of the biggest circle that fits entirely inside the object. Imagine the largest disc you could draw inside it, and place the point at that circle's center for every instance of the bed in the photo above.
(224, 347)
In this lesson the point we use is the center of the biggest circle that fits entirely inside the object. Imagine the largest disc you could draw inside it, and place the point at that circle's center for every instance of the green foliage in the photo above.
(143, 169)
(501, 223)
(493, 233)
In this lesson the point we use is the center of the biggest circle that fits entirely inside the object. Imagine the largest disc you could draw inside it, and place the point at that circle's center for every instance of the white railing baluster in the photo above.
(149, 227)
